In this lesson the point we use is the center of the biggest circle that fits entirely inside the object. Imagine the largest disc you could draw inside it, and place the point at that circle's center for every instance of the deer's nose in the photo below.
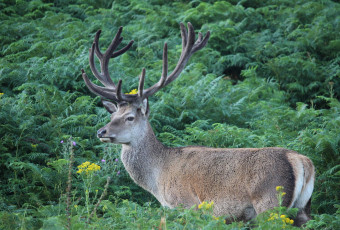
(101, 132)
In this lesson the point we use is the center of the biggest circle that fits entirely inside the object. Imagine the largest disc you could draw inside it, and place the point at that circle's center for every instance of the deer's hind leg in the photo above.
(247, 214)
(303, 215)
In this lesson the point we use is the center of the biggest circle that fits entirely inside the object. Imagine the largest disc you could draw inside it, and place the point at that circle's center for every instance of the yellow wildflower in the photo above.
(134, 91)
(283, 193)
(215, 218)
(76, 206)
(87, 167)
(208, 206)
(273, 216)
(284, 218)
(202, 205)
(279, 188)
(205, 205)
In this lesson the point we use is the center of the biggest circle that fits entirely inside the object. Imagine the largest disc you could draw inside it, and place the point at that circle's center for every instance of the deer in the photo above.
(241, 182)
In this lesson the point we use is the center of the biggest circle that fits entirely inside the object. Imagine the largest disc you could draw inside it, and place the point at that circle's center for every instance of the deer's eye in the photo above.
(130, 118)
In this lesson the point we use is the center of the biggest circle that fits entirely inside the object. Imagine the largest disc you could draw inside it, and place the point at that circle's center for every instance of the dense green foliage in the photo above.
(269, 76)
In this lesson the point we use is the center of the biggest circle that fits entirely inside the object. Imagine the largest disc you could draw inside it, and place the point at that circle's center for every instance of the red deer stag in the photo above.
(241, 182)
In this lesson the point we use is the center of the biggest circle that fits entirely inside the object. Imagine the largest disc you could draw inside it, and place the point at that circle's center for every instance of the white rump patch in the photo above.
(305, 194)
(303, 189)
(299, 179)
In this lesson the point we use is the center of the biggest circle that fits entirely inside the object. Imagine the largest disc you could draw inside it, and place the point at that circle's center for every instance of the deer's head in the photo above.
(128, 122)
(129, 113)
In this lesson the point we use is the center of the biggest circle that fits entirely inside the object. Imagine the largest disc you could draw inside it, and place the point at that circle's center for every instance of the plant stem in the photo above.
(68, 190)
(101, 197)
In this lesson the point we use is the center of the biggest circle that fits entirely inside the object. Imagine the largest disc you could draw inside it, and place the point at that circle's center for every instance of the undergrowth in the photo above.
(268, 77)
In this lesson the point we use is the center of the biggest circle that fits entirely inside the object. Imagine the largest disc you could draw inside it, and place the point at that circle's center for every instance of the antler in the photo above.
(110, 91)
(189, 47)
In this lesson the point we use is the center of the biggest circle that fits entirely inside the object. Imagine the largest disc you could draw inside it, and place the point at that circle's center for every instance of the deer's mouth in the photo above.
(107, 139)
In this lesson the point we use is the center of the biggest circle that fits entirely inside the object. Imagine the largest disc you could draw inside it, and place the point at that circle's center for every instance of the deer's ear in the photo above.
(109, 106)
(145, 107)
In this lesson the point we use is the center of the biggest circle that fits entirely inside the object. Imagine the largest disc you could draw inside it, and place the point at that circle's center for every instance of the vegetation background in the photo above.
(268, 77)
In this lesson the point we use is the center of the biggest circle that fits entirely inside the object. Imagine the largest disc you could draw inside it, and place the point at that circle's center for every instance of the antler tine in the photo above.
(199, 44)
(187, 41)
(199, 37)
(109, 91)
(115, 42)
(123, 50)
(186, 53)
(189, 47)
(104, 76)
(109, 53)
(119, 91)
(104, 64)
(125, 97)
(184, 36)
(100, 91)
(165, 65)
(99, 76)
(96, 42)
(153, 89)
(141, 83)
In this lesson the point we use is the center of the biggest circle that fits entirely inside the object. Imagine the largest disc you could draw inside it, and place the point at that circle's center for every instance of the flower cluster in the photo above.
(134, 91)
(205, 205)
(280, 194)
(73, 142)
(284, 218)
(279, 188)
(87, 167)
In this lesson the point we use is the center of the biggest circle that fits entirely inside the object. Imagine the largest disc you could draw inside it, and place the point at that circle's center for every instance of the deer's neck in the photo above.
(143, 159)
